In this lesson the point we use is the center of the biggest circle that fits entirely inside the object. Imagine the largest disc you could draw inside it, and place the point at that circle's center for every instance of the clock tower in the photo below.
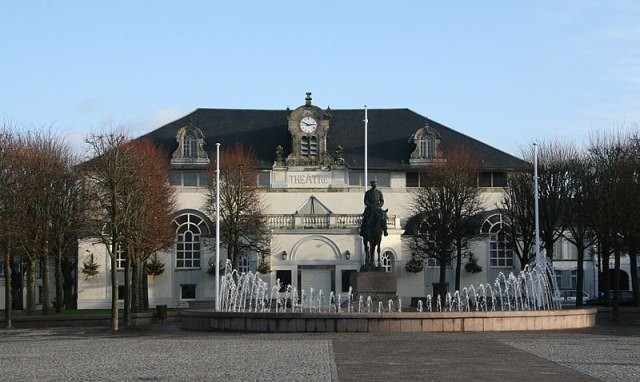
(308, 165)
(309, 126)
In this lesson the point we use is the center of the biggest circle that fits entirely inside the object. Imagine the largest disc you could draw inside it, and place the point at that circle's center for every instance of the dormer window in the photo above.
(427, 141)
(427, 147)
(190, 146)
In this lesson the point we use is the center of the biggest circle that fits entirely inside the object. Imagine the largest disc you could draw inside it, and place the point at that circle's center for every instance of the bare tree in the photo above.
(67, 214)
(243, 224)
(443, 212)
(105, 185)
(517, 208)
(42, 160)
(149, 226)
(553, 163)
(630, 197)
(7, 214)
(578, 218)
(461, 171)
(606, 154)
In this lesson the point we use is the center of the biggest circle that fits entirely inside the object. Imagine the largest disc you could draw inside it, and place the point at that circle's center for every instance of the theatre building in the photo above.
(311, 173)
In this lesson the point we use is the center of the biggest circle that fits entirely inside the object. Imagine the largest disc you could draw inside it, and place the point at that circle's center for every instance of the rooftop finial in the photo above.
(308, 99)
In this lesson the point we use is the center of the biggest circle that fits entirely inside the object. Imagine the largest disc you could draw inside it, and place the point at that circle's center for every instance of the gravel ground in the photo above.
(168, 353)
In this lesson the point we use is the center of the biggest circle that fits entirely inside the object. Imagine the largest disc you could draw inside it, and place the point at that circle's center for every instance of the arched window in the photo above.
(190, 228)
(190, 146)
(427, 147)
(500, 251)
(243, 264)
(386, 260)
(427, 141)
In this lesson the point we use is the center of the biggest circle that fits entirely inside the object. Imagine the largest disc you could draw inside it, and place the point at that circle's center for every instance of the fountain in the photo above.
(523, 301)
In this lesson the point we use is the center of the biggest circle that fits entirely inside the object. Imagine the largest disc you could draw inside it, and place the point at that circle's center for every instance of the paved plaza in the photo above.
(609, 352)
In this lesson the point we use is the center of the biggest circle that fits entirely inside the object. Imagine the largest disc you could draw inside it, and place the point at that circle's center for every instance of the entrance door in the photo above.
(318, 279)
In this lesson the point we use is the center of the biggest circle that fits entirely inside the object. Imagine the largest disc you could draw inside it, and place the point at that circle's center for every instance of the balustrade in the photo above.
(321, 221)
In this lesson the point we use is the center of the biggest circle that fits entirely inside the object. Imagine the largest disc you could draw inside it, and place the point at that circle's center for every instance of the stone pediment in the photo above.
(313, 207)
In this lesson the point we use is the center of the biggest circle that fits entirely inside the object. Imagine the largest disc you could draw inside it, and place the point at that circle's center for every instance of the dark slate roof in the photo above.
(389, 136)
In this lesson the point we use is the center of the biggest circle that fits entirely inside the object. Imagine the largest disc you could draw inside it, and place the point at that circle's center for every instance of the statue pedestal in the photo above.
(380, 286)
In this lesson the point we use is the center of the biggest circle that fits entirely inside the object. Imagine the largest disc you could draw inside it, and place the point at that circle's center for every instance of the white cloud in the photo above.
(88, 105)
(158, 118)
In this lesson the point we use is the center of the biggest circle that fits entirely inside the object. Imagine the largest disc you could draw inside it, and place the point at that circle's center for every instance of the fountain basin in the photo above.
(388, 322)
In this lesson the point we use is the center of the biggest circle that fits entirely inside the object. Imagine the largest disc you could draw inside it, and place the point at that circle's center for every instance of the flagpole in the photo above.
(366, 159)
(217, 226)
(536, 207)
(366, 148)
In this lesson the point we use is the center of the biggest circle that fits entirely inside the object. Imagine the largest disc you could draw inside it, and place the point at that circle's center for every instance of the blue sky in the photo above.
(504, 72)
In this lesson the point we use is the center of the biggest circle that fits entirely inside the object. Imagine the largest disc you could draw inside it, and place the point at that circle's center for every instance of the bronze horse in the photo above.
(372, 235)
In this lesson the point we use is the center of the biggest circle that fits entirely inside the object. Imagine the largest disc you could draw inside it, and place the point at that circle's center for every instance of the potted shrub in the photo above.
(472, 265)
(264, 267)
(155, 266)
(414, 265)
(90, 267)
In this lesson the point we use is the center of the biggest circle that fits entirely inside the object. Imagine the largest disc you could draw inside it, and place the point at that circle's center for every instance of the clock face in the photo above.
(308, 125)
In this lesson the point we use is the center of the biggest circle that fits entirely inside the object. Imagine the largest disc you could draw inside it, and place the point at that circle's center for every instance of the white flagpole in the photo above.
(366, 159)
(536, 197)
(366, 148)
(217, 226)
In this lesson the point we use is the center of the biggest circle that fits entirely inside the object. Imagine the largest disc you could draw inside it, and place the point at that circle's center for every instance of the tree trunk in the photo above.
(458, 265)
(633, 264)
(145, 289)
(8, 269)
(615, 310)
(69, 283)
(580, 275)
(606, 285)
(443, 281)
(135, 291)
(114, 288)
(31, 285)
(45, 280)
(59, 283)
(127, 289)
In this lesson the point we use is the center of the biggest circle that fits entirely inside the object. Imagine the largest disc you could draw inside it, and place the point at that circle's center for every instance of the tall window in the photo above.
(188, 245)
(190, 146)
(427, 147)
(558, 275)
(121, 258)
(2, 269)
(387, 261)
(243, 264)
(500, 251)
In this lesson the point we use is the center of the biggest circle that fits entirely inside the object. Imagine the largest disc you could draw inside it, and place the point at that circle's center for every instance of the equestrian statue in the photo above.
(374, 224)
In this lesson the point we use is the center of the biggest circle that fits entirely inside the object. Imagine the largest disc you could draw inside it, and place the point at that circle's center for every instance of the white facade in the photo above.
(316, 248)
(312, 176)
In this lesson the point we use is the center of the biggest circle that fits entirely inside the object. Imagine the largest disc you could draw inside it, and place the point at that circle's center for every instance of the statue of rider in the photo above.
(373, 198)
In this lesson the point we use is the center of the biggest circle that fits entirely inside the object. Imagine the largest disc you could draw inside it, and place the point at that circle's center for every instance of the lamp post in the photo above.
(536, 208)
(217, 226)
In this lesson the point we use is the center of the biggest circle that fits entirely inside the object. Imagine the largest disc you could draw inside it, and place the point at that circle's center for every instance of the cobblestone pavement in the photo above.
(608, 352)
